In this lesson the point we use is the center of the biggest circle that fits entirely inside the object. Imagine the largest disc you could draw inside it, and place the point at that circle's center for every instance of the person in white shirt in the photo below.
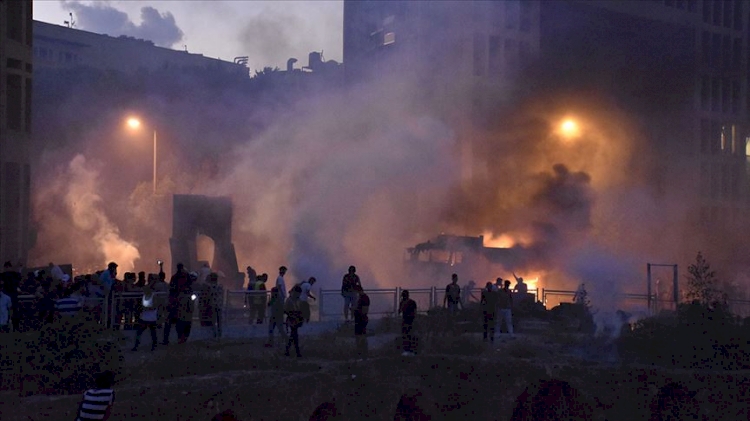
(280, 284)
(148, 317)
(55, 272)
(203, 273)
(305, 297)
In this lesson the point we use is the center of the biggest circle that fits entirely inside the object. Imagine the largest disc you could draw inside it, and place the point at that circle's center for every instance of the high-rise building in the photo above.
(678, 68)
(61, 47)
(15, 127)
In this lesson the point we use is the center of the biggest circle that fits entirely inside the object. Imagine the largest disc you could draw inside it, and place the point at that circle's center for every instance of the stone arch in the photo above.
(194, 215)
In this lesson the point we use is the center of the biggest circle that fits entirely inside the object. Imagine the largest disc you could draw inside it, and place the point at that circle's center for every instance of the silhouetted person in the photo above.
(361, 309)
(305, 297)
(294, 319)
(551, 400)
(675, 402)
(258, 310)
(326, 411)
(350, 284)
(11, 279)
(408, 311)
(214, 300)
(488, 302)
(411, 407)
(185, 309)
(252, 276)
(6, 306)
(521, 287)
(280, 282)
(505, 307)
(176, 284)
(227, 415)
(275, 317)
(452, 295)
(97, 402)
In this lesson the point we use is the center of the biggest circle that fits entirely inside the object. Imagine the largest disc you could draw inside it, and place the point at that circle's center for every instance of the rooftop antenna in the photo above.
(70, 23)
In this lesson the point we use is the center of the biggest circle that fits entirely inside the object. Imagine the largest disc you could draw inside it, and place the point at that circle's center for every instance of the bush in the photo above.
(62, 357)
(697, 336)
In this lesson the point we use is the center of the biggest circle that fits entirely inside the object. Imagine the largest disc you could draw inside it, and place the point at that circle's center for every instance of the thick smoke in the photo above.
(323, 181)
(85, 224)
(160, 28)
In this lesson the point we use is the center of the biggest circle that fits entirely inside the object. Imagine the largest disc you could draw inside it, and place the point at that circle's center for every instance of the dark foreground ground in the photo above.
(460, 378)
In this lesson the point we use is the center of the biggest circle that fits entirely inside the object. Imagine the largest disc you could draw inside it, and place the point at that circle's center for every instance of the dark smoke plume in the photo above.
(160, 28)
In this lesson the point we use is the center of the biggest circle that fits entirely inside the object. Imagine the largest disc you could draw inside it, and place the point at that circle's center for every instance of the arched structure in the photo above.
(194, 215)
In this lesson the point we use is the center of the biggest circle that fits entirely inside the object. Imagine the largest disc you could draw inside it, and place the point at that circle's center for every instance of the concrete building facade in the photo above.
(61, 47)
(680, 66)
(16, 61)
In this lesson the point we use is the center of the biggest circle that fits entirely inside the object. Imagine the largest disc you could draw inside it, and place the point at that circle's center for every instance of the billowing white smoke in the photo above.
(350, 183)
(85, 207)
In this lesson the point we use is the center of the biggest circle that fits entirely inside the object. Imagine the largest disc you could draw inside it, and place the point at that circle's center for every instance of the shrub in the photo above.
(62, 357)
(697, 336)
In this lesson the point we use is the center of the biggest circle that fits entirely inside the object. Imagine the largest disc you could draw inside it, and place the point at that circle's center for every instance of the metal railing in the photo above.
(385, 302)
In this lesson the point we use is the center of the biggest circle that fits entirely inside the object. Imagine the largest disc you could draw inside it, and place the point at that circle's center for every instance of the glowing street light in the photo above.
(569, 128)
(134, 123)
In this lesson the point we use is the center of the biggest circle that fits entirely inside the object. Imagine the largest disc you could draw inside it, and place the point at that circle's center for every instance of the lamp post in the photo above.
(134, 124)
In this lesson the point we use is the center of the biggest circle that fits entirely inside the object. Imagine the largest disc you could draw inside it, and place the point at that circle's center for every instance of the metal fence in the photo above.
(384, 302)
(241, 307)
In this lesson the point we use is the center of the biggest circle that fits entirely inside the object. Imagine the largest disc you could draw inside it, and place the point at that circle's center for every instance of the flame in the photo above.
(505, 240)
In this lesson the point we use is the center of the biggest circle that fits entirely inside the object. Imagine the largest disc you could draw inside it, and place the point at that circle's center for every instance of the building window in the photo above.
(715, 50)
(706, 11)
(511, 13)
(738, 15)
(495, 55)
(480, 54)
(524, 53)
(717, 12)
(15, 20)
(705, 136)
(728, 13)
(715, 93)
(737, 52)
(715, 137)
(736, 94)
(525, 24)
(726, 52)
(726, 90)
(705, 92)
(11, 206)
(706, 48)
(14, 101)
(27, 105)
(510, 55)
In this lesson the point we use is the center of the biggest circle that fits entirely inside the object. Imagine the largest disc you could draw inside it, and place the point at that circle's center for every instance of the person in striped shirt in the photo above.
(97, 402)
(70, 304)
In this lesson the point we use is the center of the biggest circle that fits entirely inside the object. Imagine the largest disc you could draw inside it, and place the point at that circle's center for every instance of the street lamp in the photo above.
(134, 123)
(569, 129)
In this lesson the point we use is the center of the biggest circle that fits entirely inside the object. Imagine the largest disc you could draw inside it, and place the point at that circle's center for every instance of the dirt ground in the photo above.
(460, 377)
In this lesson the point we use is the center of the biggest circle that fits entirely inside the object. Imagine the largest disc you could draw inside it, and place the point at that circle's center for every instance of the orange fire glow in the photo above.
(505, 240)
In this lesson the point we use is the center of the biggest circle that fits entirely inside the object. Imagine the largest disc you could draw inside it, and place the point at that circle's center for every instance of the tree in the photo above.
(702, 282)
